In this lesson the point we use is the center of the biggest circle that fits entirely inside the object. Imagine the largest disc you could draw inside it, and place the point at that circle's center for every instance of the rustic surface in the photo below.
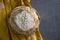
(50, 18)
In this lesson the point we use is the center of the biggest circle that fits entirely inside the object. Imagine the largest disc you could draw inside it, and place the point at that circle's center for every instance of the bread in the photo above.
(24, 20)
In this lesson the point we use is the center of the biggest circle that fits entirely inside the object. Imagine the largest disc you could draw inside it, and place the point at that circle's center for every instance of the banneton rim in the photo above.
(24, 20)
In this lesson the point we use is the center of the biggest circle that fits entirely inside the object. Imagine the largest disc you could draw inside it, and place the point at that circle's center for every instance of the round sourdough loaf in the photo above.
(24, 20)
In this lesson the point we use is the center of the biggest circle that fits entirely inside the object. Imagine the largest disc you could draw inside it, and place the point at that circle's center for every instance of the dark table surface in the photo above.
(50, 18)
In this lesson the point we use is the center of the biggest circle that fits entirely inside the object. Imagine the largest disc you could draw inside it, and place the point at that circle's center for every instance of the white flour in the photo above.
(24, 20)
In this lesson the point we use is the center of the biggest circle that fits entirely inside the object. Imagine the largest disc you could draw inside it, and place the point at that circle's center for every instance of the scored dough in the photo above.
(24, 20)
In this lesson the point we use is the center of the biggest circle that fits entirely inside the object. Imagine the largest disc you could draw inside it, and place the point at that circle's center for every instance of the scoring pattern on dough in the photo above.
(24, 20)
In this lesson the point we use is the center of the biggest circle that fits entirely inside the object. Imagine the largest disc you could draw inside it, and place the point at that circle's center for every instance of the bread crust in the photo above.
(15, 28)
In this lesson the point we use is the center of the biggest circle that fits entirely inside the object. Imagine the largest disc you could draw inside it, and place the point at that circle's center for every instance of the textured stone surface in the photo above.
(24, 20)
(50, 18)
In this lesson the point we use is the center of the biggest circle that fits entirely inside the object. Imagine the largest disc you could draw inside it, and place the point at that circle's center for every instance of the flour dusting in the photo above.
(24, 20)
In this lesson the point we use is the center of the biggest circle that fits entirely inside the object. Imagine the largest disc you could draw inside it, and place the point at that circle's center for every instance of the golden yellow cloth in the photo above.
(5, 31)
